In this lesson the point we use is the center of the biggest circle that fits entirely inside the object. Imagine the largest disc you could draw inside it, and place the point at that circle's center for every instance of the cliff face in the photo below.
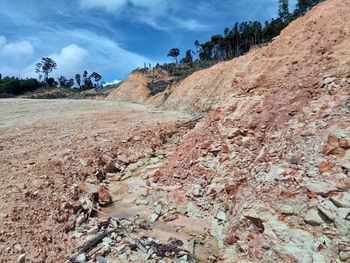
(133, 89)
(274, 155)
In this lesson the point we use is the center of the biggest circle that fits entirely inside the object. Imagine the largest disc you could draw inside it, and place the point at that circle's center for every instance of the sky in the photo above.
(112, 37)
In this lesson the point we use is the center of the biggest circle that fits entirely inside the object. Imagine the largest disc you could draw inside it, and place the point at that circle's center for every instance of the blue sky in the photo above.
(112, 37)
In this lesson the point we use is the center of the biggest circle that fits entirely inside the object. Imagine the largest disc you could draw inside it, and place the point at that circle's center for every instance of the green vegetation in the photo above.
(11, 86)
(233, 43)
(242, 36)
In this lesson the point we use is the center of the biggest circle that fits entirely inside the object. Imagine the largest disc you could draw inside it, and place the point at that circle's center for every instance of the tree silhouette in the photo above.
(45, 66)
(78, 80)
(174, 52)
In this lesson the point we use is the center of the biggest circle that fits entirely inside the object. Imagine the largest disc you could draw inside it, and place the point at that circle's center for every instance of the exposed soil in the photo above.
(49, 146)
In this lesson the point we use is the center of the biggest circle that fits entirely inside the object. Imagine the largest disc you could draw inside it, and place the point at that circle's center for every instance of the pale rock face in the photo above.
(320, 187)
(313, 218)
(341, 199)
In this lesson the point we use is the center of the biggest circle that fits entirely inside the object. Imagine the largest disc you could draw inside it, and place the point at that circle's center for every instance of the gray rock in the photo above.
(313, 218)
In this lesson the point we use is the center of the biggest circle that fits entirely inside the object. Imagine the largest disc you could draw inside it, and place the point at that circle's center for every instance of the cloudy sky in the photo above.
(112, 37)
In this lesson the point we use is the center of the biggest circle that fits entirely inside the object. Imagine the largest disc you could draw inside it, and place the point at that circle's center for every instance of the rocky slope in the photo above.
(273, 157)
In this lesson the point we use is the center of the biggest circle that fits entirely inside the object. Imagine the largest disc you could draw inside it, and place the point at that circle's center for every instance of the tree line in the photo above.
(12, 86)
(238, 40)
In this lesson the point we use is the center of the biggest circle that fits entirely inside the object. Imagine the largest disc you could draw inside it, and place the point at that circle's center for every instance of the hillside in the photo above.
(274, 154)
(264, 176)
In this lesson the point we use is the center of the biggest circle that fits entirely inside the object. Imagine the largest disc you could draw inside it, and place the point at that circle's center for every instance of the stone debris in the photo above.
(313, 218)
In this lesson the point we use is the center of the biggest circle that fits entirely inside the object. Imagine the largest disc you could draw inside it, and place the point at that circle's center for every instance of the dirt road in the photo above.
(46, 148)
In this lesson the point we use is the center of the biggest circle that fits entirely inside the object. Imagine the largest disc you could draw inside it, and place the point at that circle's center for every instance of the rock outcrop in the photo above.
(133, 89)
(274, 154)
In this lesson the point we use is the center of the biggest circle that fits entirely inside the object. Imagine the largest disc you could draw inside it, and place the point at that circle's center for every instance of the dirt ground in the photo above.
(46, 148)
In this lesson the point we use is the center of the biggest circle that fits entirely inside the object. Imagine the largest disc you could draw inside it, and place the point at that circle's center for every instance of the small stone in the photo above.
(143, 192)
(321, 187)
(3, 215)
(18, 248)
(344, 256)
(111, 168)
(158, 210)
(81, 258)
(313, 218)
(93, 230)
(212, 259)
(141, 202)
(108, 241)
(80, 219)
(328, 209)
(341, 199)
(221, 216)
(328, 80)
(153, 217)
(22, 258)
(196, 191)
(343, 212)
(121, 249)
(137, 138)
(287, 210)
(104, 198)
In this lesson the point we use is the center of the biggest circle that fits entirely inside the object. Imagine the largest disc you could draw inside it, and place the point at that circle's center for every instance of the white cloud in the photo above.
(159, 14)
(104, 56)
(70, 60)
(15, 49)
(116, 81)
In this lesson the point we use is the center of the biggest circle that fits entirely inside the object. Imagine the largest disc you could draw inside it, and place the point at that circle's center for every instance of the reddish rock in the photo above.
(344, 143)
(325, 167)
(104, 198)
(333, 140)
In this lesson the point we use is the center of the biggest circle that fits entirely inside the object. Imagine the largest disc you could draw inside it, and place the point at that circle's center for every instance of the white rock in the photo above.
(328, 80)
(22, 258)
(121, 249)
(196, 191)
(92, 230)
(287, 210)
(344, 256)
(153, 217)
(18, 248)
(221, 216)
(328, 209)
(341, 199)
(81, 258)
(321, 187)
(343, 212)
(143, 192)
(317, 257)
(313, 218)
